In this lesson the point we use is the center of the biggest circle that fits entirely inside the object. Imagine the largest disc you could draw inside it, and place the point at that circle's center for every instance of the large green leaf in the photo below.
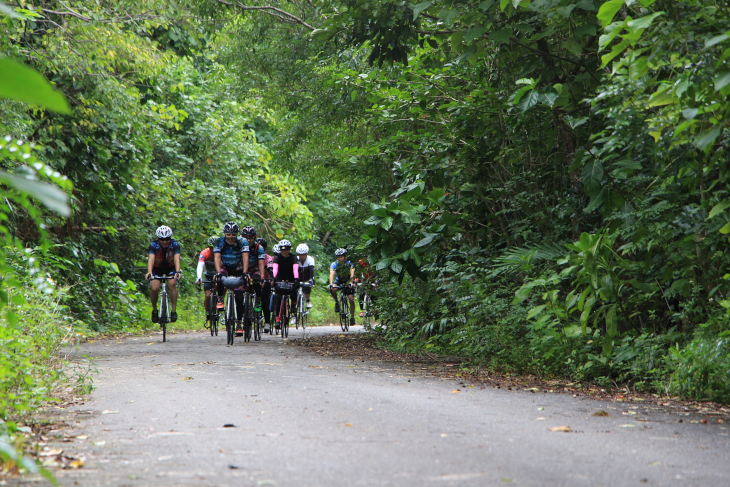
(592, 176)
(22, 83)
(608, 11)
(420, 8)
(529, 100)
(48, 194)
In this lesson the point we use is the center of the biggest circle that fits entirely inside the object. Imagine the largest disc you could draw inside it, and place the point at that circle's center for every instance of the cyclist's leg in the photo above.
(172, 284)
(351, 297)
(307, 291)
(277, 306)
(154, 293)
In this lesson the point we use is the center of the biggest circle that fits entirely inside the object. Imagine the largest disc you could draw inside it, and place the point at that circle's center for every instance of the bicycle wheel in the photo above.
(247, 312)
(366, 310)
(344, 310)
(230, 317)
(285, 310)
(164, 315)
(257, 319)
(210, 315)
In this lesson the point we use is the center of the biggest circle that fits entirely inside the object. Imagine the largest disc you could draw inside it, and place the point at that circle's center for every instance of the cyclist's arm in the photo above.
(176, 258)
(201, 265)
(150, 263)
(332, 276)
(217, 260)
(262, 267)
(244, 256)
(352, 273)
(296, 272)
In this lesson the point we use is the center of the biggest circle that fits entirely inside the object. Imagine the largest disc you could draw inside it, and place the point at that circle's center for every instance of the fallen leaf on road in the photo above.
(541, 409)
(229, 425)
(540, 419)
(601, 413)
(150, 343)
(81, 437)
(562, 429)
(77, 463)
(233, 467)
(109, 412)
(348, 424)
(50, 453)
(187, 378)
(314, 366)
(532, 389)
(99, 443)
(456, 391)
(627, 426)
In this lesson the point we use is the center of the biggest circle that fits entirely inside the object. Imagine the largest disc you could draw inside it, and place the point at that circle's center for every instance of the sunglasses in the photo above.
(231, 235)
(166, 239)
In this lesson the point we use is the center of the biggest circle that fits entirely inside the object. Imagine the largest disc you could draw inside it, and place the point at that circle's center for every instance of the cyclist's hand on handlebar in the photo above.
(178, 275)
(148, 277)
(197, 283)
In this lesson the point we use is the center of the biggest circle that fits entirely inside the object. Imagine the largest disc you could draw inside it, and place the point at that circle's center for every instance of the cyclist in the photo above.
(163, 259)
(306, 271)
(366, 283)
(275, 251)
(266, 288)
(231, 259)
(287, 270)
(256, 259)
(341, 273)
(207, 261)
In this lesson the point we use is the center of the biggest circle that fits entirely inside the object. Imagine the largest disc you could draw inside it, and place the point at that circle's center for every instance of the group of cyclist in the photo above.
(244, 255)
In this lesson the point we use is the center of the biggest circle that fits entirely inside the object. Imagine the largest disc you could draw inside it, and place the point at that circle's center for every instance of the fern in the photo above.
(518, 259)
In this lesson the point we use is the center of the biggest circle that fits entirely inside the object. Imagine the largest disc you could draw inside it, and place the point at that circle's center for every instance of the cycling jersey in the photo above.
(255, 254)
(231, 255)
(285, 268)
(306, 268)
(208, 260)
(342, 271)
(164, 258)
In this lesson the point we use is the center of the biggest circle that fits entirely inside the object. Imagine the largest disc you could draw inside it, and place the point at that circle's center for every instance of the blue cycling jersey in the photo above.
(342, 272)
(164, 258)
(231, 255)
(255, 254)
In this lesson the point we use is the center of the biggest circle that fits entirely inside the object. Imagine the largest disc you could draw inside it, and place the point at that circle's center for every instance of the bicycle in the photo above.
(284, 307)
(212, 316)
(367, 305)
(231, 311)
(344, 308)
(164, 313)
(248, 312)
(302, 311)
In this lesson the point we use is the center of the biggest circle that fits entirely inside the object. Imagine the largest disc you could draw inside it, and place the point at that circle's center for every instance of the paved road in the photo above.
(159, 410)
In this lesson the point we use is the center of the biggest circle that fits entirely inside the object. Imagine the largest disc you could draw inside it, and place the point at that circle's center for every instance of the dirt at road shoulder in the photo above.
(363, 346)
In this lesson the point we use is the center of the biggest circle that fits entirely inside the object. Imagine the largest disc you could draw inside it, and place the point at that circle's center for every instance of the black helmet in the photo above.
(262, 242)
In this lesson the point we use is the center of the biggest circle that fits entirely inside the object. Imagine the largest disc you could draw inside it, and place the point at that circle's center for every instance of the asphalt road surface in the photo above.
(196, 412)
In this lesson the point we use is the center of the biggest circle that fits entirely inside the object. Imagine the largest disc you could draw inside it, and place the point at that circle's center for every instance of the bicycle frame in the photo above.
(164, 315)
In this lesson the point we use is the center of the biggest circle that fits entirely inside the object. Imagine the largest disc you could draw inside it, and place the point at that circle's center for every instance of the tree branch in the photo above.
(286, 16)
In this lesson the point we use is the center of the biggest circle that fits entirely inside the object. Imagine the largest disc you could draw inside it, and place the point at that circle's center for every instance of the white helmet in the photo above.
(164, 232)
(339, 252)
(284, 244)
(276, 249)
(302, 249)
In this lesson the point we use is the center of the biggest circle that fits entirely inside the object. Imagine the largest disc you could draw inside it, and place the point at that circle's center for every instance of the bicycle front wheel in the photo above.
(367, 311)
(285, 311)
(344, 312)
(164, 315)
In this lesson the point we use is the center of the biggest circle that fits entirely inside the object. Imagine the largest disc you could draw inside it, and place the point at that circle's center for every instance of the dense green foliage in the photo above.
(548, 176)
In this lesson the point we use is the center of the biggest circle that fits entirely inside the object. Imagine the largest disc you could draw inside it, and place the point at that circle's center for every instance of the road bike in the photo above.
(284, 306)
(164, 313)
(344, 307)
(231, 308)
(212, 315)
(366, 302)
(302, 310)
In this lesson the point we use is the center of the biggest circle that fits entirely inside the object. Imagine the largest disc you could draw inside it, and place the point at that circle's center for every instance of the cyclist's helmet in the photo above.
(284, 244)
(230, 227)
(212, 241)
(339, 252)
(248, 232)
(164, 232)
(276, 249)
(302, 249)
(262, 242)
